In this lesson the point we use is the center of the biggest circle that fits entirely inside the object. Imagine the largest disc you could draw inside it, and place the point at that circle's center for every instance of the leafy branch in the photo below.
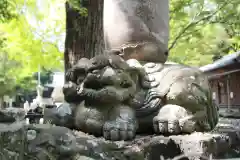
(193, 23)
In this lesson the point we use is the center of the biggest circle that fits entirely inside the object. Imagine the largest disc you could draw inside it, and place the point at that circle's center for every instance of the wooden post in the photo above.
(228, 92)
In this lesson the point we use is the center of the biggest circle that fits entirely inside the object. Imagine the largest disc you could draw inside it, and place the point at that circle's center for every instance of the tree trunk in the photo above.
(84, 35)
(1, 102)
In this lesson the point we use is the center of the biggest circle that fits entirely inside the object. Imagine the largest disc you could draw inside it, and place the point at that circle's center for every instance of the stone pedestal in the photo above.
(21, 141)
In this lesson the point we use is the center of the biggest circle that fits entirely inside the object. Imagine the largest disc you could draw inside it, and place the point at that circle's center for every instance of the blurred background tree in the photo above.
(201, 30)
(33, 33)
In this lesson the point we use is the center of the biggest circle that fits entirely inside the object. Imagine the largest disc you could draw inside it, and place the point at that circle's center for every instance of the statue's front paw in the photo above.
(71, 95)
(173, 119)
(70, 89)
(166, 126)
(119, 130)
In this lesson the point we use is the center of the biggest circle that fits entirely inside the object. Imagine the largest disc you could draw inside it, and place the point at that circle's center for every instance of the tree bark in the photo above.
(84, 35)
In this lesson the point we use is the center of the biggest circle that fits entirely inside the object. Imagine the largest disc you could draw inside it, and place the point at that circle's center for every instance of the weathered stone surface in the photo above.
(45, 142)
(143, 28)
(12, 114)
(231, 128)
(12, 141)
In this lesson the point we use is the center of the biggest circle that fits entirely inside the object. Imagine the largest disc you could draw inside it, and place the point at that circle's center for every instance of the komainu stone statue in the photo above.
(118, 98)
(130, 89)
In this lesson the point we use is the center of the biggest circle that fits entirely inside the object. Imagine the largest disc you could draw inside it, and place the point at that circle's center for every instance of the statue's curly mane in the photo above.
(151, 104)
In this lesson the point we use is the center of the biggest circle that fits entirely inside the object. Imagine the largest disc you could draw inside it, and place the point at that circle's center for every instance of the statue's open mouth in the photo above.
(96, 85)
(94, 82)
(106, 86)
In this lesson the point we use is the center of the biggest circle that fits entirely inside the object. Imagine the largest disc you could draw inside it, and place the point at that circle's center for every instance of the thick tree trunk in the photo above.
(84, 35)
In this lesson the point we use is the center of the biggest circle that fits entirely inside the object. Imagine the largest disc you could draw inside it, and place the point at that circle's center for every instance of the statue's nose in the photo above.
(109, 72)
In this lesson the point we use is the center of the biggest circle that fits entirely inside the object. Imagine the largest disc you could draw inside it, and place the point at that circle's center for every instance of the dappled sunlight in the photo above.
(119, 79)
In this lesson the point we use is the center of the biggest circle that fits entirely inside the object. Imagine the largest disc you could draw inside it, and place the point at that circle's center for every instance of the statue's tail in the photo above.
(150, 105)
(213, 114)
(211, 107)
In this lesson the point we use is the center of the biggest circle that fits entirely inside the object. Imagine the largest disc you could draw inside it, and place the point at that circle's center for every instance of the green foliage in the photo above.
(26, 84)
(29, 44)
(31, 33)
(10, 79)
(45, 76)
(7, 81)
(7, 10)
(199, 29)
(80, 6)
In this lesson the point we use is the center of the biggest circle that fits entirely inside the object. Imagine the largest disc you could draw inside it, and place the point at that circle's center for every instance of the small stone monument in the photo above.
(36, 108)
(26, 106)
(39, 98)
